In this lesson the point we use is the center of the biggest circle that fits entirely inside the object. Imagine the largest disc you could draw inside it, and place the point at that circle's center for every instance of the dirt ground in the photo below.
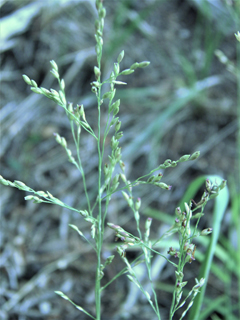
(185, 101)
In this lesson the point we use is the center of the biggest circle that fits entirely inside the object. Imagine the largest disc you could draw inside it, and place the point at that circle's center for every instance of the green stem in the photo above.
(77, 142)
(99, 217)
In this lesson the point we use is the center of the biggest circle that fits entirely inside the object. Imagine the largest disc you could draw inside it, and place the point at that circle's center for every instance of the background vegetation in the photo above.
(186, 100)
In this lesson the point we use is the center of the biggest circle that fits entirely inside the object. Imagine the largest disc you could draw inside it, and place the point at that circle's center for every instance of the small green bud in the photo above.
(205, 232)
(127, 198)
(101, 24)
(99, 40)
(36, 90)
(208, 185)
(138, 204)
(98, 4)
(184, 158)
(62, 97)
(106, 170)
(27, 80)
(126, 72)
(45, 92)
(102, 13)
(123, 177)
(143, 64)
(109, 260)
(93, 231)
(34, 83)
(195, 155)
(119, 82)
(29, 197)
(63, 142)
(72, 160)
(89, 218)
(50, 195)
(178, 211)
(125, 195)
(81, 112)
(76, 229)
(3, 181)
(113, 93)
(114, 187)
(35, 199)
(112, 76)
(222, 184)
(116, 69)
(134, 66)
(121, 56)
(179, 275)
(112, 161)
(122, 165)
(38, 200)
(158, 177)
(114, 143)
(54, 65)
(69, 153)
(163, 186)
(173, 252)
(95, 84)
(99, 32)
(94, 89)
(118, 126)
(117, 153)
(97, 72)
(42, 194)
(128, 275)
(54, 73)
(119, 135)
(70, 114)
(115, 111)
(148, 223)
(129, 186)
(199, 284)
(115, 179)
(54, 93)
(19, 183)
(173, 164)
(107, 95)
(115, 105)
(182, 284)
(113, 226)
(58, 138)
(151, 179)
(167, 162)
(62, 84)
(84, 213)
(97, 25)
(98, 49)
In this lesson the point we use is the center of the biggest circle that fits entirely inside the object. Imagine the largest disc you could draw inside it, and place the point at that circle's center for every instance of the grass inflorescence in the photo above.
(111, 179)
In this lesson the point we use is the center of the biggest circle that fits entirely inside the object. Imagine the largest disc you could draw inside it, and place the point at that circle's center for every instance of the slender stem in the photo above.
(99, 237)
(148, 265)
(77, 142)
(99, 217)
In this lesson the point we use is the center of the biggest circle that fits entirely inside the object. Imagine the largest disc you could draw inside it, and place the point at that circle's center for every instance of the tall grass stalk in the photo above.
(186, 220)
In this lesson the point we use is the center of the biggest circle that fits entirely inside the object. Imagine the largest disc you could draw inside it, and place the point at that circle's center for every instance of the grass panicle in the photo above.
(112, 178)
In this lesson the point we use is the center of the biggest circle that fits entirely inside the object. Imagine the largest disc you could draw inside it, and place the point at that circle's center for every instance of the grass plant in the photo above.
(112, 179)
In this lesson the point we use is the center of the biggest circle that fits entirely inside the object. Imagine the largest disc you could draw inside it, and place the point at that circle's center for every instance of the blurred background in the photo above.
(186, 100)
